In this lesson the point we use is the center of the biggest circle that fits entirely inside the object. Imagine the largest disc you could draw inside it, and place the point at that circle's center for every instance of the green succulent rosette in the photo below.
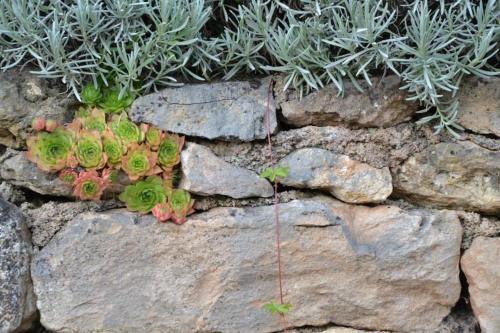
(51, 151)
(113, 148)
(169, 151)
(140, 161)
(90, 95)
(182, 205)
(89, 151)
(111, 101)
(153, 137)
(144, 195)
(89, 186)
(125, 130)
(95, 120)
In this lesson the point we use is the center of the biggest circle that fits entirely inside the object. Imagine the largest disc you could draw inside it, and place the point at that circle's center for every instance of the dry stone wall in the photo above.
(376, 214)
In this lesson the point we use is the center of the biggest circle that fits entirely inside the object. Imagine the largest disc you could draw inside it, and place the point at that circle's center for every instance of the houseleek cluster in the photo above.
(91, 151)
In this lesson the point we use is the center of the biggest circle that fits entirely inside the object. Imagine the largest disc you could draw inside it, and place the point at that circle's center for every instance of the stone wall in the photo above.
(379, 217)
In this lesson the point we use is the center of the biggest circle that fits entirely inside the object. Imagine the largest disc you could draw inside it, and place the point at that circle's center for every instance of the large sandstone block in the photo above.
(481, 265)
(376, 268)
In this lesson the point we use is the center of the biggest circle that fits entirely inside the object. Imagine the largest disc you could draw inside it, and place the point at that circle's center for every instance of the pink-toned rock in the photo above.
(381, 105)
(481, 265)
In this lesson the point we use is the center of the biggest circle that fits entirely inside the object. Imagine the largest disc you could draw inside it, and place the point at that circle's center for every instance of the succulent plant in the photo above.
(68, 176)
(113, 148)
(144, 195)
(112, 102)
(38, 124)
(162, 212)
(91, 95)
(89, 150)
(95, 120)
(182, 205)
(140, 161)
(51, 125)
(110, 175)
(125, 130)
(153, 137)
(169, 151)
(51, 151)
(89, 186)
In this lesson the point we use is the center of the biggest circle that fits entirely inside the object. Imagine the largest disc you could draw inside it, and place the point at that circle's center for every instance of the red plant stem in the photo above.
(276, 209)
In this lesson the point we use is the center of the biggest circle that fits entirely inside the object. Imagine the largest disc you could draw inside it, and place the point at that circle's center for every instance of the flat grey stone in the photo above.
(222, 110)
(378, 268)
(205, 174)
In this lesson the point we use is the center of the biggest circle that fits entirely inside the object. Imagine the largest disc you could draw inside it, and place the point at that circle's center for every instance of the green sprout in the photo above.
(275, 173)
(277, 308)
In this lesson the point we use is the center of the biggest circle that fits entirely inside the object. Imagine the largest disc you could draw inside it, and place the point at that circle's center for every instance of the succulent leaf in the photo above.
(140, 161)
(89, 150)
(90, 94)
(89, 186)
(162, 212)
(50, 151)
(153, 137)
(51, 125)
(113, 148)
(68, 176)
(38, 124)
(112, 102)
(182, 205)
(95, 120)
(169, 151)
(125, 130)
(144, 195)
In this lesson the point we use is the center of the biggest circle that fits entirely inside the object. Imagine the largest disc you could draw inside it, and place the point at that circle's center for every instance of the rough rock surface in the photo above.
(396, 270)
(378, 147)
(346, 179)
(455, 175)
(223, 110)
(381, 105)
(480, 264)
(18, 170)
(11, 193)
(45, 221)
(480, 105)
(17, 304)
(205, 174)
(24, 97)
(475, 225)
